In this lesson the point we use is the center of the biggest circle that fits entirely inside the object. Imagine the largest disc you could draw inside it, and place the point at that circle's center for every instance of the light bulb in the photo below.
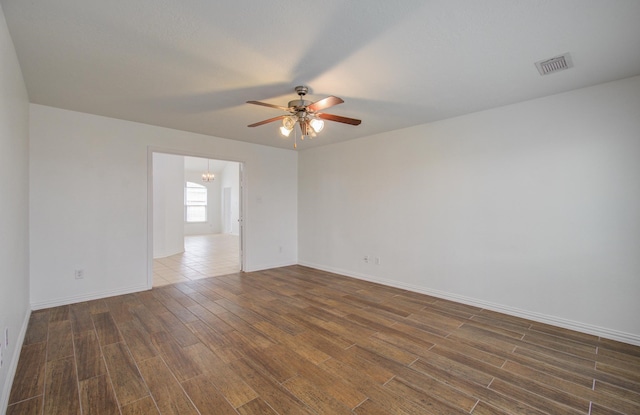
(285, 131)
(317, 125)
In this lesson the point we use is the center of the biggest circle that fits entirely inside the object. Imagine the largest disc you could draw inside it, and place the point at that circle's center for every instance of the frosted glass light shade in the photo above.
(285, 131)
(317, 125)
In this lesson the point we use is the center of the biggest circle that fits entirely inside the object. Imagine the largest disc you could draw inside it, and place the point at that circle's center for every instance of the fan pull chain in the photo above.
(295, 138)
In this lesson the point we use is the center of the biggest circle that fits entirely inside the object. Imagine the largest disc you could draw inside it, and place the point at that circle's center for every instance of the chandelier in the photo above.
(208, 176)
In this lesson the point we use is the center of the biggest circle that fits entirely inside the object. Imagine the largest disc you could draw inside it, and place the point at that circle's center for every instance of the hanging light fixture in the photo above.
(208, 176)
(308, 115)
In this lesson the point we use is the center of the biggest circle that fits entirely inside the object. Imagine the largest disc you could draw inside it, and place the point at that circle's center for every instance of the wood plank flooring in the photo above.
(295, 340)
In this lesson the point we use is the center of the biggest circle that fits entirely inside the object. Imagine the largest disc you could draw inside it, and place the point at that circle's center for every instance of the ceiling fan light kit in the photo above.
(306, 114)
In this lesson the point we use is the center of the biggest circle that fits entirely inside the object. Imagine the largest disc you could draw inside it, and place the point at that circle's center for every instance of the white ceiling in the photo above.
(191, 65)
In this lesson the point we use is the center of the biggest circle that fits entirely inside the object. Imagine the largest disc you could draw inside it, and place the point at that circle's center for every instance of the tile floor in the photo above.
(205, 256)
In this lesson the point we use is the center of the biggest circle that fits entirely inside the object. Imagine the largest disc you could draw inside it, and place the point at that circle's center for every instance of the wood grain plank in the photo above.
(178, 310)
(293, 343)
(506, 403)
(588, 394)
(370, 407)
(209, 337)
(315, 397)
(484, 408)
(428, 402)
(120, 310)
(546, 404)
(88, 355)
(182, 366)
(165, 389)
(148, 320)
(620, 393)
(145, 406)
(38, 328)
(206, 398)
(97, 397)
(210, 318)
(125, 377)
(106, 328)
(30, 373)
(80, 316)
(138, 340)
(60, 340)
(60, 313)
(392, 403)
(602, 410)
(332, 385)
(61, 388)
(278, 398)
(177, 329)
(256, 407)
(456, 369)
(97, 306)
(31, 406)
(229, 383)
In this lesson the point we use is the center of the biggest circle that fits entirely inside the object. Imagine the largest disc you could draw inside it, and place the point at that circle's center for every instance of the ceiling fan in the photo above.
(306, 114)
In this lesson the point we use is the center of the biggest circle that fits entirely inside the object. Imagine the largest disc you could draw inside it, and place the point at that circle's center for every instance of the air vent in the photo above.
(555, 64)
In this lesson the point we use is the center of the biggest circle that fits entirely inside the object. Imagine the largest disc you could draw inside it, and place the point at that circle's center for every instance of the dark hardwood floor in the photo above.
(300, 341)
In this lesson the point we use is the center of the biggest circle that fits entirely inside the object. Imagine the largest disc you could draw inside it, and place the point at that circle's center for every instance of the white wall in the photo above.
(14, 201)
(89, 201)
(168, 204)
(532, 208)
(230, 178)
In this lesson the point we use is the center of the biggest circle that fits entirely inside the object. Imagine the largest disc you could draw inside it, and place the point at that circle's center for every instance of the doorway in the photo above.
(195, 229)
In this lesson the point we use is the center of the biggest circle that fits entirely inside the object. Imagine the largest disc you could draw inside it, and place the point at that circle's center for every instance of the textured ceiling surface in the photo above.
(192, 65)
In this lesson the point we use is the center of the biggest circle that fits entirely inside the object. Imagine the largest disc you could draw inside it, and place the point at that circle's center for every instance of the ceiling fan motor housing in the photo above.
(299, 104)
(302, 90)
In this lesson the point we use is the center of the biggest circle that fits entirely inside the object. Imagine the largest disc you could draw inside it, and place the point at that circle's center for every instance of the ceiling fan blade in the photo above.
(264, 104)
(279, 117)
(324, 104)
(345, 120)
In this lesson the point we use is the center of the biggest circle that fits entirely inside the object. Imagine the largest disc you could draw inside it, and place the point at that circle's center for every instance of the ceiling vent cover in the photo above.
(555, 64)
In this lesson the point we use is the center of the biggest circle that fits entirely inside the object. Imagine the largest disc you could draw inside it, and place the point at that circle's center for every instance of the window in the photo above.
(195, 202)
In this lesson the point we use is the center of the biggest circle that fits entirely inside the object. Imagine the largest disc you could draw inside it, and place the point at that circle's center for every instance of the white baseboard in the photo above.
(604, 332)
(87, 297)
(13, 365)
(262, 267)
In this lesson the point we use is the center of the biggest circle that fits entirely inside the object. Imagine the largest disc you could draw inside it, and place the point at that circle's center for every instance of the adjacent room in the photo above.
(363, 207)
(196, 218)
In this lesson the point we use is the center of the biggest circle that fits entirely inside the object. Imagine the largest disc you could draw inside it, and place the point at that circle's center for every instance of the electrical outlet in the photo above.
(366, 259)
(79, 274)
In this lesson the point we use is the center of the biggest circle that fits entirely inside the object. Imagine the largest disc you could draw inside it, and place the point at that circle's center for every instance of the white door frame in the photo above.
(241, 209)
